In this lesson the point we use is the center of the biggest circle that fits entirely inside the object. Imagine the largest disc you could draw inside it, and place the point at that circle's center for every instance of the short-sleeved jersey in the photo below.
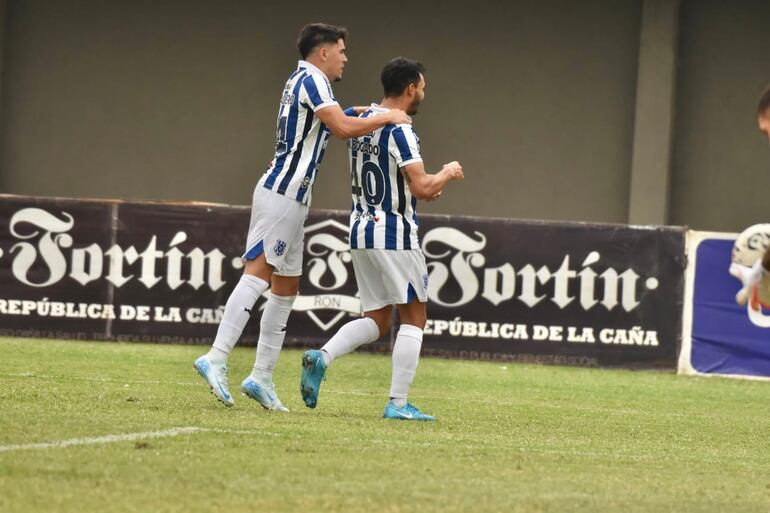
(384, 211)
(301, 138)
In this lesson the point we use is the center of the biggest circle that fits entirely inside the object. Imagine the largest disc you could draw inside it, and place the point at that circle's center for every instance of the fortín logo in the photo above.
(280, 247)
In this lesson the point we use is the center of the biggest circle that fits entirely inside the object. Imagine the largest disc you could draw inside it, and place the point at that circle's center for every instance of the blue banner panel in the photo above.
(726, 338)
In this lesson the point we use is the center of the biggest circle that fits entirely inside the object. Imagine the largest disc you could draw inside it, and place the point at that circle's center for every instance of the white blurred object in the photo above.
(748, 250)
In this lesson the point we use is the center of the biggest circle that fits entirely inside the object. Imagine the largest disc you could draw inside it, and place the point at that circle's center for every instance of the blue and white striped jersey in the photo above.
(301, 138)
(384, 212)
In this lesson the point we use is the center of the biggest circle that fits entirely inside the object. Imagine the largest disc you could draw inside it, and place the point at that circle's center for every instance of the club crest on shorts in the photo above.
(279, 248)
(425, 280)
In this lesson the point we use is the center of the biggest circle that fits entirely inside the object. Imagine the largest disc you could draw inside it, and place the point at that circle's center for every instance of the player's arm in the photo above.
(426, 186)
(356, 110)
(347, 127)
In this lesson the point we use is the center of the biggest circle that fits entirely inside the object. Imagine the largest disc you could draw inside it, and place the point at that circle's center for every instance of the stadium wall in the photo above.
(720, 161)
(176, 100)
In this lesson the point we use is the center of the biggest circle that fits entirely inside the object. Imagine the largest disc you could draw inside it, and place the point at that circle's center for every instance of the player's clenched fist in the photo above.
(454, 170)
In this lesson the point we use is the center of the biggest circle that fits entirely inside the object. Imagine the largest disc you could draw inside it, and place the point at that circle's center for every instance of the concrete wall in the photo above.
(2, 52)
(721, 172)
(177, 99)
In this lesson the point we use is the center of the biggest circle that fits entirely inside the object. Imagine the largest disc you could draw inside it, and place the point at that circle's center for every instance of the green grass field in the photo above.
(510, 438)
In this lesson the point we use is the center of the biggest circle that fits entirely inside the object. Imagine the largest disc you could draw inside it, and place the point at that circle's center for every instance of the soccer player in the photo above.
(307, 114)
(388, 177)
(751, 277)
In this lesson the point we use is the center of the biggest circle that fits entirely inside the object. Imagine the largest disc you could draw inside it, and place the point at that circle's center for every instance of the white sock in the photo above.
(272, 331)
(237, 314)
(406, 356)
(217, 356)
(350, 337)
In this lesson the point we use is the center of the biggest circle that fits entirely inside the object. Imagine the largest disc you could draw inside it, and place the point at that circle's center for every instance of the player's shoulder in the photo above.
(405, 129)
(317, 78)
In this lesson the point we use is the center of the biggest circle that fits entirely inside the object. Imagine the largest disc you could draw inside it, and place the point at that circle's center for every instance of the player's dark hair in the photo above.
(313, 35)
(398, 74)
(764, 102)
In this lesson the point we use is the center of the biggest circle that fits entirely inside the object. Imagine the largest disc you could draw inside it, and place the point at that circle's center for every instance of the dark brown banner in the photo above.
(569, 293)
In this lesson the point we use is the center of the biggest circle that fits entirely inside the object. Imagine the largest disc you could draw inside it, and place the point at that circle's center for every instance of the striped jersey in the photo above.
(301, 137)
(384, 212)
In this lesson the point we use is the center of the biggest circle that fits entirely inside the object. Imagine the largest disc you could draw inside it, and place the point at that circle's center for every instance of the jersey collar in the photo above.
(310, 67)
(378, 108)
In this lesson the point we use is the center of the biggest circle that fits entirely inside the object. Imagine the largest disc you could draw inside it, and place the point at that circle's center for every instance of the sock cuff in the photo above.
(286, 301)
(217, 354)
(254, 282)
(262, 345)
(374, 330)
(408, 330)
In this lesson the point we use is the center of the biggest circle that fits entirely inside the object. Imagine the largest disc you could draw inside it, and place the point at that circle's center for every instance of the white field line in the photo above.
(106, 439)
(96, 379)
(128, 437)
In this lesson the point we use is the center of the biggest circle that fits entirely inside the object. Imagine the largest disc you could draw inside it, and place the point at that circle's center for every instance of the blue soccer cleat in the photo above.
(406, 412)
(264, 395)
(313, 372)
(216, 376)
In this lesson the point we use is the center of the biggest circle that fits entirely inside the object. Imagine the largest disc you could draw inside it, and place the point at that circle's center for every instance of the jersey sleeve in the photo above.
(319, 92)
(405, 147)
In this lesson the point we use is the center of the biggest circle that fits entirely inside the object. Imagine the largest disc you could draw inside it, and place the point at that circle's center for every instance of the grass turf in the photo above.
(514, 438)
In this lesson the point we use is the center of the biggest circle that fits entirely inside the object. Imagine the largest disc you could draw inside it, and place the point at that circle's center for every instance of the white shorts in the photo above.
(390, 277)
(277, 229)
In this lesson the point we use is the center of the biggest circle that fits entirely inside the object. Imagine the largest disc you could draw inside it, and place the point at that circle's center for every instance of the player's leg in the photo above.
(351, 336)
(406, 356)
(254, 281)
(375, 323)
(213, 365)
(284, 245)
(272, 327)
(348, 338)
(272, 331)
(252, 284)
(406, 349)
